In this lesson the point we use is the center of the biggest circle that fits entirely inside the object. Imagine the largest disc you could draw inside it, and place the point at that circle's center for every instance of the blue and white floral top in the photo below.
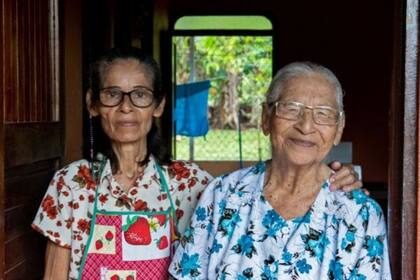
(236, 234)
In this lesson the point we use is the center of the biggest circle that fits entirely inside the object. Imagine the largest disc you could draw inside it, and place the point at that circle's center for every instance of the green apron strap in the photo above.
(166, 188)
(96, 169)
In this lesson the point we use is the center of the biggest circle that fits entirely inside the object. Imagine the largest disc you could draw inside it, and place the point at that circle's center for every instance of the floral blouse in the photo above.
(65, 213)
(236, 234)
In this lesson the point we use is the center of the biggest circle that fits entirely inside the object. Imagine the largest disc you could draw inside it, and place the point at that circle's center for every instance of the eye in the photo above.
(291, 108)
(112, 93)
(142, 93)
(325, 113)
(139, 93)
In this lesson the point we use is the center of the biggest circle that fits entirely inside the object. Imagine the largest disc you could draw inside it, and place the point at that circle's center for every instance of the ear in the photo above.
(265, 119)
(340, 129)
(158, 111)
(91, 107)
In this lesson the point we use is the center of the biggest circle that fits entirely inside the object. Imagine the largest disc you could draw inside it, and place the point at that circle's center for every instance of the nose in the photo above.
(126, 105)
(306, 124)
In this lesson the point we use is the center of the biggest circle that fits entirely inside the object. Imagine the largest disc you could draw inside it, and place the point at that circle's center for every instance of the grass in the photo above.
(224, 145)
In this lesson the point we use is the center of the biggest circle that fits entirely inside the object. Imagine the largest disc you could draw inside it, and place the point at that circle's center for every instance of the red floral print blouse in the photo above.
(65, 213)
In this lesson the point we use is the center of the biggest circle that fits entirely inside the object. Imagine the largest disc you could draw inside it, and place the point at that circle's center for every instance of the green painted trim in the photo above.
(223, 23)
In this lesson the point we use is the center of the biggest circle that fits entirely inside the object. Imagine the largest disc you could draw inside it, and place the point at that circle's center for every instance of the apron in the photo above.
(134, 245)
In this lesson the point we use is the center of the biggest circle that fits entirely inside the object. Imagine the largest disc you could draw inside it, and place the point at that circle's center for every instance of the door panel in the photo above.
(31, 141)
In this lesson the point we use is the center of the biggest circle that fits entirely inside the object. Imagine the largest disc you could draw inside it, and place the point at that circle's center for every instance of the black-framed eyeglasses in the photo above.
(141, 97)
(322, 115)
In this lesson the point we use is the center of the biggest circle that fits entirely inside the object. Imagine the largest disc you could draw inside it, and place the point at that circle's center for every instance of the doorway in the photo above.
(219, 79)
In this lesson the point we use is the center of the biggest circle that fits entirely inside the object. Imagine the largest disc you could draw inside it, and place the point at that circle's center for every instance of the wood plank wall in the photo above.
(30, 131)
(24, 248)
(28, 95)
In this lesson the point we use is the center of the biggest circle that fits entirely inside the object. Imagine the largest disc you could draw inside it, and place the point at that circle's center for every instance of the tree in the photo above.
(239, 67)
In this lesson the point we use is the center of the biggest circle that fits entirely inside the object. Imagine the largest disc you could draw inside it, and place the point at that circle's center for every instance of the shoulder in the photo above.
(187, 178)
(356, 205)
(74, 167)
(74, 175)
(245, 177)
(181, 170)
(243, 181)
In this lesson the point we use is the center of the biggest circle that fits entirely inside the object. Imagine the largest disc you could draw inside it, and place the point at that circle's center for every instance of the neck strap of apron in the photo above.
(166, 188)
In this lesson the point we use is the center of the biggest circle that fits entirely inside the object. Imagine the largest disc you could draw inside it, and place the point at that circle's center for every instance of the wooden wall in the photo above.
(30, 130)
(72, 79)
(28, 96)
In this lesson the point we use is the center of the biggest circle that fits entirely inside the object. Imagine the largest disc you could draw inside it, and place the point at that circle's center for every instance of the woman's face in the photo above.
(303, 142)
(126, 123)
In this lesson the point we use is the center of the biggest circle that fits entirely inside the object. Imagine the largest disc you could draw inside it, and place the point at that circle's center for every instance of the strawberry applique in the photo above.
(161, 218)
(115, 277)
(137, 231)
(109, 236)
(163, 242)
(99, 244)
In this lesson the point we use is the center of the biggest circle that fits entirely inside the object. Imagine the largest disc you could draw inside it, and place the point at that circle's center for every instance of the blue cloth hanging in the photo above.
(190, 114)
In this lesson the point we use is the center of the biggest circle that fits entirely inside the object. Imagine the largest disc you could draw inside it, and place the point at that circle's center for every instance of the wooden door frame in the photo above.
(404, 140)
(2, 188)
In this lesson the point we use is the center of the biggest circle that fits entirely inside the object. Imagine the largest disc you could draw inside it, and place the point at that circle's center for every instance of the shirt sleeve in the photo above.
(188, 183)
(54, 216)
(192, 255)
(363, 247)
(374, 257)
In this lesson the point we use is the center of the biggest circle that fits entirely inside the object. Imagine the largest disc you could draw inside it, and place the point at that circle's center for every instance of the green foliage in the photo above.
(247, 57)
(245, 60)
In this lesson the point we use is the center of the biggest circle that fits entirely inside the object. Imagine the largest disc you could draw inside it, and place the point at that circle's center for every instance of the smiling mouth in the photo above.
(127, 124)
(303, 143)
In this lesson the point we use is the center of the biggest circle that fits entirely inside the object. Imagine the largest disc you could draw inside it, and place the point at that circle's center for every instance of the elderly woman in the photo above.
(279, 219)
(118, 217)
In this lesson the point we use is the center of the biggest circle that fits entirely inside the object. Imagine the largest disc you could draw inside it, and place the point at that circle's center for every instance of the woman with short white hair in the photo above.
(279, 219)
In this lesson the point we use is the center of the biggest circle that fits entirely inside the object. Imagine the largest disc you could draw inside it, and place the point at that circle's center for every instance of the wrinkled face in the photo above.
(126, 123)
(303, 142)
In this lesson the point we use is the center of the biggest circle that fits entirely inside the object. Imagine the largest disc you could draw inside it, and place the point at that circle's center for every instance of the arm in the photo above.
(372, 259)
(54, 220)
(187, 190)
(57, 262)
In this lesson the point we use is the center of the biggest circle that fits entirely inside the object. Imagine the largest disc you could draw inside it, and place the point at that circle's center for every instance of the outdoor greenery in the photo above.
(224, 145)
(240, 71)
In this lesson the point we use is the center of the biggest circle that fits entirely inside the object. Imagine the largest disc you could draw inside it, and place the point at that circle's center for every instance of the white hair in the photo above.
(297, 69)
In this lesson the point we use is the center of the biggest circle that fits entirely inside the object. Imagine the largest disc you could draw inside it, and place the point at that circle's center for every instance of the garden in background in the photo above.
(240, 70)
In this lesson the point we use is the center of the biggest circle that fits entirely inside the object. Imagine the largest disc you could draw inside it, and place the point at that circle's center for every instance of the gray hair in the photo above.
(297, 69)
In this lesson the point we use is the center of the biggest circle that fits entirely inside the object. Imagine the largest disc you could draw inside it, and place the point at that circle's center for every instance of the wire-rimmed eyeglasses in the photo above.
(322, 115)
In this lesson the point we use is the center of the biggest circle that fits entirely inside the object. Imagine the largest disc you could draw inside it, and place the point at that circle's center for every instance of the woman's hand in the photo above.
(345, 178)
